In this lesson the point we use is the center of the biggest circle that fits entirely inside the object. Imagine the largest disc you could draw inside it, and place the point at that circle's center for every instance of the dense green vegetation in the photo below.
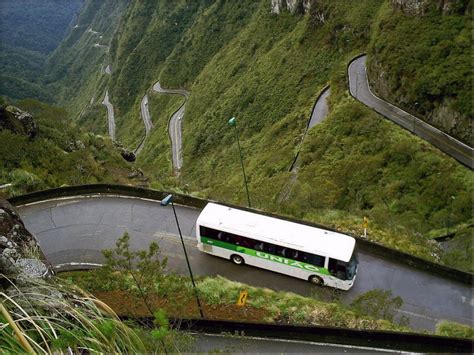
(428, 71)
(37, 26)
(59, 154)
(29, 31)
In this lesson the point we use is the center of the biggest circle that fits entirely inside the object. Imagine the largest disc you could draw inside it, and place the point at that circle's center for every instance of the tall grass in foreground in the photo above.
(49, 318)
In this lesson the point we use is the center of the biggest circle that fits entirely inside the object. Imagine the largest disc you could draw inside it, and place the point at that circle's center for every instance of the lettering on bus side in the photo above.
(279, 259)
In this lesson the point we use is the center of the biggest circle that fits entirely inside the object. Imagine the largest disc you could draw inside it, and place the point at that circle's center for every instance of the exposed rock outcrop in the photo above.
(76, 145)
(127, 155)
(411, 7)
(17, 121)
(21, 257)
(419, 7)
(293, 6)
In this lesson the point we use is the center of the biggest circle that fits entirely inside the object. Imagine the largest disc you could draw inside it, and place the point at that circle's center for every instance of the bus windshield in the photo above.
(344, 270)
(352, 267)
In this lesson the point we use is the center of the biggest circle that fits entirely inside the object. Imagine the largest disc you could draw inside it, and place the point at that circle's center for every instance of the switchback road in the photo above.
(78, 229)
(174, 126)
(110, 115)
(145, 113)
(359, 88)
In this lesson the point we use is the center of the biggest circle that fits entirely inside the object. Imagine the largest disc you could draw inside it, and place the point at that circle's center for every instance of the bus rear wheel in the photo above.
(237, 259)
(316, 280)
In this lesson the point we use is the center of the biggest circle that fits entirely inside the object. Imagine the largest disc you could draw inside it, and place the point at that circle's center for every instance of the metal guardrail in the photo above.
(466, 152)
(132, 191)
(318, 334)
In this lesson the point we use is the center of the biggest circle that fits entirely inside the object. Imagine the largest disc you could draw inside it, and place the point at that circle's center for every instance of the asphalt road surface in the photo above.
(145, 113)
(174, 127)
(110, 115)
(321, 109)
(210, 343)
(359, 88)
(77, 229)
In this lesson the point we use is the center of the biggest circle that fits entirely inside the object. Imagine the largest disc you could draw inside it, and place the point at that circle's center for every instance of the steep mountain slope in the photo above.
(76, 70)
(427, 71)
(242, 59)
(29, 31)
(52, 152)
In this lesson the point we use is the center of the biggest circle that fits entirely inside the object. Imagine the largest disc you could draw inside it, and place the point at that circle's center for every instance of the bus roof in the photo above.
(273, 230)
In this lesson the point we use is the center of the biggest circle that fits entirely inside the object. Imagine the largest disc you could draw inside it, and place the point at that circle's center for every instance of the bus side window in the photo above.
(316, 260)
(270, 248)
(289, 253)
(230, 238)
(248, 242)
(259, 246)
(208, 232)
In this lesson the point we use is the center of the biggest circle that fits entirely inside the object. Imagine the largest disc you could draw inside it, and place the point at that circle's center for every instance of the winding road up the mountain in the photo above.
(76, 230)
(145, 113)
(110, 115)
(360, 89)
(174, 126)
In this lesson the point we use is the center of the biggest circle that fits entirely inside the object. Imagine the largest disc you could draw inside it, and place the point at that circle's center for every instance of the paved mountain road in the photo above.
(359, 88)
(321, 108)
(77, 229)
(110, 115)
(145, 113)
(175, 126)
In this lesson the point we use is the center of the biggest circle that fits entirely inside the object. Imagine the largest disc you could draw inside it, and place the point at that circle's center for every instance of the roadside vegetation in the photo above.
(135, 283)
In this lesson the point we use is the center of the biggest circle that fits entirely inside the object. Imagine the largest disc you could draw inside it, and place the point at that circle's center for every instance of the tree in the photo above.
(144, 266)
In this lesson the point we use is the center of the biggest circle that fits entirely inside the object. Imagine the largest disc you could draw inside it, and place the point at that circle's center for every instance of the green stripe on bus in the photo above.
(263, 255)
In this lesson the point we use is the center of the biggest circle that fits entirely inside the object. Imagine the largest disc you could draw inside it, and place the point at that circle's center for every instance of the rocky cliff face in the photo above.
(419, 7)
(21, 257)
(17, 121)
(293, 6)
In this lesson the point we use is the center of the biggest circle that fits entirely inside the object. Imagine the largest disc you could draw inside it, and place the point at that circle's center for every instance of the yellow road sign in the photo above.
(366, 222)
(242, 298)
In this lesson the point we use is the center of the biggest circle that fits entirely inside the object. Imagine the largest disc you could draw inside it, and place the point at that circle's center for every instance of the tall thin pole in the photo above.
(187, 261)
(242, 163)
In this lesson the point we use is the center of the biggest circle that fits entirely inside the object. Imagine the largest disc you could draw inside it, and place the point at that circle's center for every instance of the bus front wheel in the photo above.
(237, 259)
(316, 280)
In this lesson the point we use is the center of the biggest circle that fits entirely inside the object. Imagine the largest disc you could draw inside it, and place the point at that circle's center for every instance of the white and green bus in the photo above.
(317, 255)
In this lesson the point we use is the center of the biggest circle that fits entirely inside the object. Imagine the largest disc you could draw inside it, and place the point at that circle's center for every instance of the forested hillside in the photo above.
(427, 71)
(29, 31)
(266, 65)
(46, 151)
